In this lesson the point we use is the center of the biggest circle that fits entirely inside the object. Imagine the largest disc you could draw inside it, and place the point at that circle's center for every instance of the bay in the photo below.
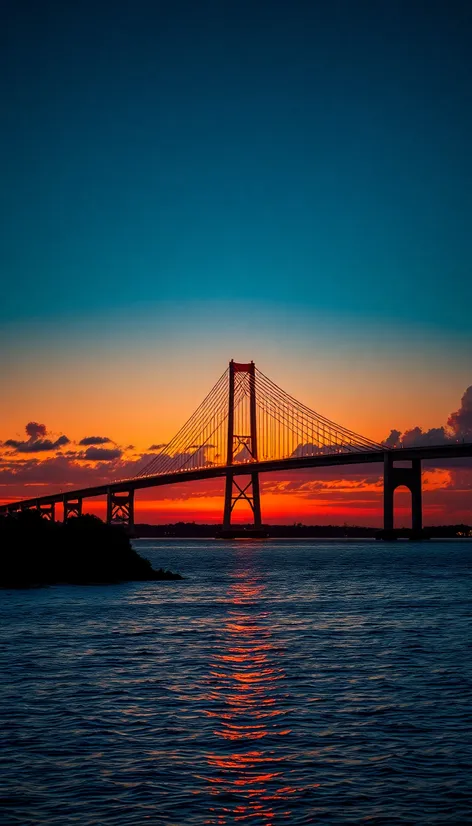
(281, 682)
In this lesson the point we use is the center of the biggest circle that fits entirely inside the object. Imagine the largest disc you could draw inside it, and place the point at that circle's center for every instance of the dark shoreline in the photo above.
(36, 552)
(193, 530)
(293, 539)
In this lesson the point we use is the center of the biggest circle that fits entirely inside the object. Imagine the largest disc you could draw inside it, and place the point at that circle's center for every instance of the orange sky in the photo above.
(138, 379)
(135, 380)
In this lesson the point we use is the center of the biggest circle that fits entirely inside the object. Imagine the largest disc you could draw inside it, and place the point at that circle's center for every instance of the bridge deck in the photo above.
(451, 451)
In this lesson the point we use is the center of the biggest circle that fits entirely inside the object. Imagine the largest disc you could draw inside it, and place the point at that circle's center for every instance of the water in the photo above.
(280, 683)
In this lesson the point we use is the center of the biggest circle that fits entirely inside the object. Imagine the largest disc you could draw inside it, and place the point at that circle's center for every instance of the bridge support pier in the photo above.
(236, 491)
(410, 477)
(47, 510)
(120, 508)
(72, 507)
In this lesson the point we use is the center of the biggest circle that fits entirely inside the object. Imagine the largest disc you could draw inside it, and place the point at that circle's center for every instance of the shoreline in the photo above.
(292, 539)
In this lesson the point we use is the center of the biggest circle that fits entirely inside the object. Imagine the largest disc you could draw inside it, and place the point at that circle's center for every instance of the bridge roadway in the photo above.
(413, 454)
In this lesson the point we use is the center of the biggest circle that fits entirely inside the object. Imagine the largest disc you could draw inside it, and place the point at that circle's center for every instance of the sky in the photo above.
(185, 183)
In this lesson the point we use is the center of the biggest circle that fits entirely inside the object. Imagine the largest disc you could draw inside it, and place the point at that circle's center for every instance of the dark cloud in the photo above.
(416, 437)
(35, 430)
(460, 422)
(102, 454)
(37, 445)
(157, 447)
(53, 473)
(394, 440)
(94, 440)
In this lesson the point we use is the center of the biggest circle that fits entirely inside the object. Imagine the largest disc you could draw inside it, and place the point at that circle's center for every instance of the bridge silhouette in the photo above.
(246, 426)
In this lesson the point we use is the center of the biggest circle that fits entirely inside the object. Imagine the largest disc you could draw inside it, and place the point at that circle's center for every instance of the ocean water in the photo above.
(279, 683)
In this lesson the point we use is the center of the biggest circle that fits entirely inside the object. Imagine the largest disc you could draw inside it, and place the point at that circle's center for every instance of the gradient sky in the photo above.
(185, 183)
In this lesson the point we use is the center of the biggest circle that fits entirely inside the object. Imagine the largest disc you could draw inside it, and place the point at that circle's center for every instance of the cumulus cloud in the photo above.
(416, 437)
(94, 440)
(460, 422)
(394, 440)
(36, 430)
(157, 447)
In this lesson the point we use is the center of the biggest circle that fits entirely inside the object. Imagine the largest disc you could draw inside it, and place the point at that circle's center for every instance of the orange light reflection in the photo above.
(247, 784)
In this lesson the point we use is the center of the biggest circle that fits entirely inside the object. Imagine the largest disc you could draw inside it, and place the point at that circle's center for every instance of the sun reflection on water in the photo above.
(248, 705)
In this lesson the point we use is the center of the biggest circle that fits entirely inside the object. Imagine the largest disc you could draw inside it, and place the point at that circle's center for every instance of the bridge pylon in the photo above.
(245, 443)
(120, 508)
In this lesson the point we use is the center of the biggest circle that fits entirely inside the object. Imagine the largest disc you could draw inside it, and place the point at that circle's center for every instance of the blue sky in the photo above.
(307, 155)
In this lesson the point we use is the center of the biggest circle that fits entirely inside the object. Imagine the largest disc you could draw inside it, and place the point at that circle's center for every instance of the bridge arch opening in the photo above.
(402, 507)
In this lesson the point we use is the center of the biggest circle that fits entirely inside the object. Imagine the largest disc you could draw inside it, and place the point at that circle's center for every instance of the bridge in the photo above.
(246, 426)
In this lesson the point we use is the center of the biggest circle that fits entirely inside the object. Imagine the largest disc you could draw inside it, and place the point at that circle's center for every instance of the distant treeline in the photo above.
(298, 530)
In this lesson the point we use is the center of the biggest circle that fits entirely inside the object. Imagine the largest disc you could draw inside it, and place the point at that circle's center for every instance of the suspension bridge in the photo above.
(246, 426)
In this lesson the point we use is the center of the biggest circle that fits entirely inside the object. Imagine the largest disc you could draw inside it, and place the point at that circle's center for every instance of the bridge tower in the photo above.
(248, 491)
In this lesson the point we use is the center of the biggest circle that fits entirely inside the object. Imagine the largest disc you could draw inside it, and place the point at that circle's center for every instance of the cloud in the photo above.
(394, 440)
(36, 442)
(35, 430)
(94, 440)
(101, 454)
(37, 445)
(460, 422)
(416, 437)
(157, 447)
(63, 472)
